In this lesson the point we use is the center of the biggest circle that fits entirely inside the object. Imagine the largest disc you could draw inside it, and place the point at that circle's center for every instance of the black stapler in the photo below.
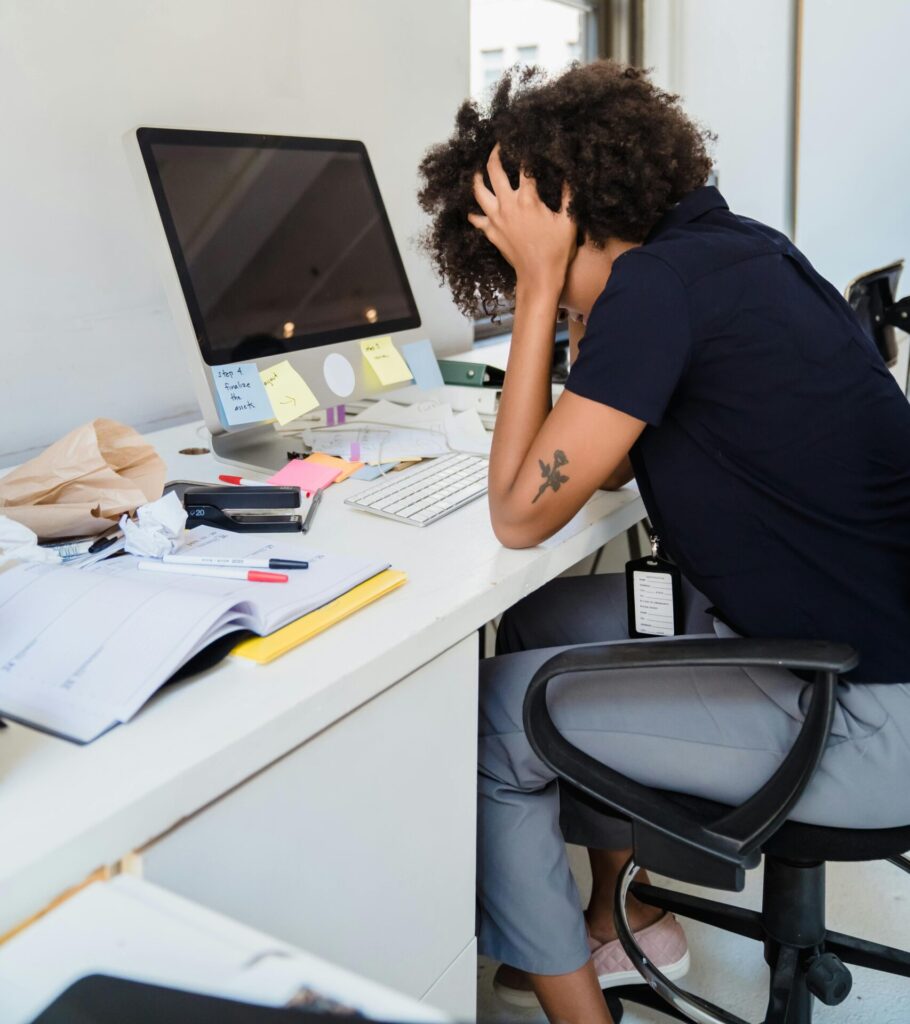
(265, 509)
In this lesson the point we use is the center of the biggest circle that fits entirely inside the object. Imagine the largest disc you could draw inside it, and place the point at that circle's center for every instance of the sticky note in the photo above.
(344, 467)
(421, 360)
(288, 392)
(241, 394)
(309, 476)
(385, 360)
(372, 472)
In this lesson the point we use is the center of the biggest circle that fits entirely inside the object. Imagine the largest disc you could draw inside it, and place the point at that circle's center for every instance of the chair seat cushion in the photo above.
(795, 841)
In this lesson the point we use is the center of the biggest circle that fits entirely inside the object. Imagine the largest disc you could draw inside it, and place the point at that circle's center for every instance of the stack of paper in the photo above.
(385, 432)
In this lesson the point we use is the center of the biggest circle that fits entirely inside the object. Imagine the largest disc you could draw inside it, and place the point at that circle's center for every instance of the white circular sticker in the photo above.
(339, 374)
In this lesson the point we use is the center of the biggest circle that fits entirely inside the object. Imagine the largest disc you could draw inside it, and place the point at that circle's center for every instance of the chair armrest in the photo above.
(720, 849)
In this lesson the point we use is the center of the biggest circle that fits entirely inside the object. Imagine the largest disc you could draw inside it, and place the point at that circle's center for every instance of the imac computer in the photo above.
(272, 248)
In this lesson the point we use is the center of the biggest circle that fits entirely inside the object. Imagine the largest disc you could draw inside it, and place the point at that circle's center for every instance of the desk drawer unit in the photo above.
(359, 845)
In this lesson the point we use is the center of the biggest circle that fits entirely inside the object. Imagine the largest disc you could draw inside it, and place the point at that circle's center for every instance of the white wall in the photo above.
(84, 327)
(730, 63)
(853, 210)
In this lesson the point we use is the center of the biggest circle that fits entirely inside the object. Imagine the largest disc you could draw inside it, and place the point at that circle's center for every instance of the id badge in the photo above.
(654, 595)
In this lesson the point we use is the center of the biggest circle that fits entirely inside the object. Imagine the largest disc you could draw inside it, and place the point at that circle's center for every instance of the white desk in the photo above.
(256, 791)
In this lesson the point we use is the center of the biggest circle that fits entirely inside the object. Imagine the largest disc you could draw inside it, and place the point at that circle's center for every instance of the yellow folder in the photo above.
(263, 649)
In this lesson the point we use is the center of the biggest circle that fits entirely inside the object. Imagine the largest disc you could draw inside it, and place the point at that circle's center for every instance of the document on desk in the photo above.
(81, 650)
(385, 432)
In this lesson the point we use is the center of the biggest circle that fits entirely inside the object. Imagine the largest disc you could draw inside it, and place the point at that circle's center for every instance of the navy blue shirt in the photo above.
(776, 461)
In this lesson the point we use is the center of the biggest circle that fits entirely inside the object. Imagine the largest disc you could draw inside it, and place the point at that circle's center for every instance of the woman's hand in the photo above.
(537, 242)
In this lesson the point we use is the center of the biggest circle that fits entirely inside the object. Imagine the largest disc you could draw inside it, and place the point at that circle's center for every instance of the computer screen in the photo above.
(280, 243)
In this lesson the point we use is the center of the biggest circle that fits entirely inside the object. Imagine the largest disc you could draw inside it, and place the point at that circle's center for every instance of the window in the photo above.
(492, 65)
(549, 33)
(526, 55)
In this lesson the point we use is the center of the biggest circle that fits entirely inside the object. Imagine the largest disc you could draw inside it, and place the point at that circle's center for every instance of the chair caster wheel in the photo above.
(828, 980)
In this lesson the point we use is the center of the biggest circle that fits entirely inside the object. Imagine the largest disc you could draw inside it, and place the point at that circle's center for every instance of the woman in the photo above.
(771, 447)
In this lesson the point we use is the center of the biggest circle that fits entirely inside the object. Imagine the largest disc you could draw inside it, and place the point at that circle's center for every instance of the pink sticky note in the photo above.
(308, 476)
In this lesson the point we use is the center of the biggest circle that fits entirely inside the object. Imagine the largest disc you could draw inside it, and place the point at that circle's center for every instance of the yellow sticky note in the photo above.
(386, 360)
(347, 467)
(288, 392)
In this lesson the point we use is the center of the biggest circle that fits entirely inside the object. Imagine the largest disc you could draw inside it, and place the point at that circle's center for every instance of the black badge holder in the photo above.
(242, 509)
(654, 595)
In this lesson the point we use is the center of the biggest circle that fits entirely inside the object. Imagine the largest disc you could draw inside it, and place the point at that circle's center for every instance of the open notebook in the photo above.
(81, 650)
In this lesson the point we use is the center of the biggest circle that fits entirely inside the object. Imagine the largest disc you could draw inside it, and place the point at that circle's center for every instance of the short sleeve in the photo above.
(638, 339)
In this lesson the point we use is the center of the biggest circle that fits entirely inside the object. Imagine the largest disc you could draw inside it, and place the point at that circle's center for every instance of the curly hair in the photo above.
(625, 149)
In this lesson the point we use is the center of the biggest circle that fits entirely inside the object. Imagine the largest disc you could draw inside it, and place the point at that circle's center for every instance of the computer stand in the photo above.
(259, 448)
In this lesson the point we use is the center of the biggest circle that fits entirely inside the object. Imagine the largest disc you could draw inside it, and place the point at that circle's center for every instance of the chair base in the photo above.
(806, 959)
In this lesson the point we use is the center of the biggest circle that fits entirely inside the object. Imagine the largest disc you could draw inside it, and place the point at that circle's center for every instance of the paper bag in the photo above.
(84, 482)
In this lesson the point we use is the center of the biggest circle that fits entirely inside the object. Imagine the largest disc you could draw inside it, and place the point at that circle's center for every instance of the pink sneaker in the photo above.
(664, 943)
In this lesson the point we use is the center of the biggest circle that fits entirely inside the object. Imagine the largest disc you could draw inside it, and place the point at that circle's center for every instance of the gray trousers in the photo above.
(717, 733)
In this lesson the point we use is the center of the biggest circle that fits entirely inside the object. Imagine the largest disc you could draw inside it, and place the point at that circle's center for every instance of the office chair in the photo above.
(871, 297)
(708, 844)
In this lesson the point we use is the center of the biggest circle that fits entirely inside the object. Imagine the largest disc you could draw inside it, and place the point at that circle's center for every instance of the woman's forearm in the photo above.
(526, 394)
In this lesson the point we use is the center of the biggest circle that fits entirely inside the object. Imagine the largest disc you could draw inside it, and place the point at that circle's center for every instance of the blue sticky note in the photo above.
(372, 472)
(422, 363)
(241, 394)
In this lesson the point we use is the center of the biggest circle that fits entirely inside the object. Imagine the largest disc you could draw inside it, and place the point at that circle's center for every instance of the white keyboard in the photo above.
(428, 492)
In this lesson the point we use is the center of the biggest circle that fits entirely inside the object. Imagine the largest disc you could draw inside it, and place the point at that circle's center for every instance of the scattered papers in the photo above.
(241, 394)
(462, 432)
(288, 392)
(389, 433)
(346, 468)
(309, 476)
(21, 543)
(159, 529)
(378, 445)
(421, 359)
(385, 360)
(428, 415)
(465, 432)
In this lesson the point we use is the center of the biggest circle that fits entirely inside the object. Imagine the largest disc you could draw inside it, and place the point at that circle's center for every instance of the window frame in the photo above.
(603, 25)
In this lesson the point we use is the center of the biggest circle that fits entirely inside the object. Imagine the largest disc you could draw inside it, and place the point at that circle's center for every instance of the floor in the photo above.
(869, 900)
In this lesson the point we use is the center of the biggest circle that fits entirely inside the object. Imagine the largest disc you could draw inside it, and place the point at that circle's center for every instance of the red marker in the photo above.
(241, 481)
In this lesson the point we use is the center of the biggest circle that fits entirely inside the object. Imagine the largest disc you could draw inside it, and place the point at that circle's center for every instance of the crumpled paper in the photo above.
(83, 483)
(19, 542)
(159, 528)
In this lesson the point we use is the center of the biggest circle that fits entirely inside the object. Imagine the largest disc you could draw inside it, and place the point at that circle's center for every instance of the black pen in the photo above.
(105, 541)
(235, 563)
(311, 511)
